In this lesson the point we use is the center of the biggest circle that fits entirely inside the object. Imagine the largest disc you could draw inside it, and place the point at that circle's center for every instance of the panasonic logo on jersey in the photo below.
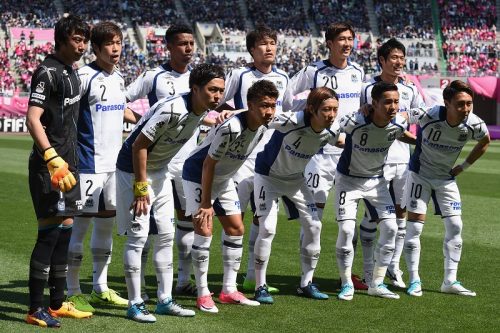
(349, 95)
(70, 101)
(112, 107)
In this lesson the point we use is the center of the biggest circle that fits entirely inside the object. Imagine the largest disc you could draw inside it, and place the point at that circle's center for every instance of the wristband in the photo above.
(465, 165)
(49, 154)
(140, 189)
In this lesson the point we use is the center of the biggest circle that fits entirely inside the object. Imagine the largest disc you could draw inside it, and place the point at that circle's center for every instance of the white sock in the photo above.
(101, 245)
(132, 267)
(384, 251)
(184, 237)
(163, 261)
(412, 248)
(320, 212)
(200, 254)
(254, 232)
(75, 254)
(232, 250)
(452, 247)
(267, 231)
(311, 248)
(399, 243)
(144, 260)
(345, 250)
(367, 235)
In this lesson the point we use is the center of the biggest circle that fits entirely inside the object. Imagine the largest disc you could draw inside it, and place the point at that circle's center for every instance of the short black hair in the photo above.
(176, 29)
(318, 95)
(103, 32)
(68, 25)
(381, 87)
(335, 29)
(456, 87)
(262, 88)
(204, 73)
(260, 32)
(385, 49)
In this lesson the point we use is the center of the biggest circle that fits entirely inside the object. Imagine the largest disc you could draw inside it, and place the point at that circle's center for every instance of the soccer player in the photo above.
(143, 181)
(262, 45)
(100, 128)
(207, 179)
(51, 120)
(391, 57)
(280, 173)
(167, 80)
(345, 78)
(359, 175)
(443, 132)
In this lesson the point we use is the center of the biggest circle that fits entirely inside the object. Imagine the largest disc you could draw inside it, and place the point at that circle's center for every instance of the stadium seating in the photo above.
(322, 12)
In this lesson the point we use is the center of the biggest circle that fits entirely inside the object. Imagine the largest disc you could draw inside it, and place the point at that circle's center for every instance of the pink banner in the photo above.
(40, 34)
(488, 86)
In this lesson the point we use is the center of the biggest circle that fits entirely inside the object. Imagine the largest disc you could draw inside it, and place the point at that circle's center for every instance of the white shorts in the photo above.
(98, 191)
(224, 197)
(178, 191)
(444, 193)
(297, 197)
(374, 191)
(161, 208)
(396, 175)
(320, 175)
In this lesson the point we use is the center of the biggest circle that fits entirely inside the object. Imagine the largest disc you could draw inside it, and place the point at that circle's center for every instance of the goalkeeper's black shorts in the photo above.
(48, 202)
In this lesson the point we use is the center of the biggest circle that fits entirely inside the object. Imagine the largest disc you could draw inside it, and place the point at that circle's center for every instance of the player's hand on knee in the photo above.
(203, 218)
(60, 176)
(141, 198)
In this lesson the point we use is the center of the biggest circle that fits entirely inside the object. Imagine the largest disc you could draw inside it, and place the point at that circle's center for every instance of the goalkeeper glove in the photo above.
(60, 176)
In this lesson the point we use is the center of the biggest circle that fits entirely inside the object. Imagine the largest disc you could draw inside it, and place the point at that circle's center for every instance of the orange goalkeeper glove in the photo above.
(60, 176)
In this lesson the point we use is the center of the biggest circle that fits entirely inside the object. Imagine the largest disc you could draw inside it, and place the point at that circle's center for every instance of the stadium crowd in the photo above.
(225, 13)
(323, 10)
(402, 19)
(150, 12)
(277, 15)
(29, 14)
(7, 81)
(467, 20)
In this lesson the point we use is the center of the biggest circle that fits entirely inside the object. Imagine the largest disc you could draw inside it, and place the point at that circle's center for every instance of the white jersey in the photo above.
(439, 144)
(230, 143)
(100, 123)
(158, 83)
(366, 145)
(169, 124)
(292, 146)
(346, 82)
(409, 98)
(241, 79)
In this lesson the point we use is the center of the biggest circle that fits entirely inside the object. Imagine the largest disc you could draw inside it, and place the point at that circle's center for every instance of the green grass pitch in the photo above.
(479, 270)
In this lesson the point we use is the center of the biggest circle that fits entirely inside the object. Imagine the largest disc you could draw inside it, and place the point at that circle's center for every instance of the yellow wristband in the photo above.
(140, 189)
(49, 153)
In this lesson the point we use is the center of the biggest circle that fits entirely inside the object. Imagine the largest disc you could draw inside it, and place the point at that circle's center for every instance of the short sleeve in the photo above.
(232, 82)
(223, 137)
(159, 122)
(42, 86)
(140, 87)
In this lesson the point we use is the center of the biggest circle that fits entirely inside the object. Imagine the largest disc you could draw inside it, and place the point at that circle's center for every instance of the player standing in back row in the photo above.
(345, 78)
(262, 45)
(51, 119)
(100, 135)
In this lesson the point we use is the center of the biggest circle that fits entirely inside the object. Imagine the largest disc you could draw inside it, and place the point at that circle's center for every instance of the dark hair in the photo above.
(386, 48)
(318, 95)
(335, 29)
(260, 32)
(176, 29)
(262, 88)
(381, 87)
(456, 87)
(204, 73)
(103, 32)
(68, 25)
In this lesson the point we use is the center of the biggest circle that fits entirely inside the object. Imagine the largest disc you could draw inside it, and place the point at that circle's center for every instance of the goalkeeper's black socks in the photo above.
(59, 268)
(40, 264)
